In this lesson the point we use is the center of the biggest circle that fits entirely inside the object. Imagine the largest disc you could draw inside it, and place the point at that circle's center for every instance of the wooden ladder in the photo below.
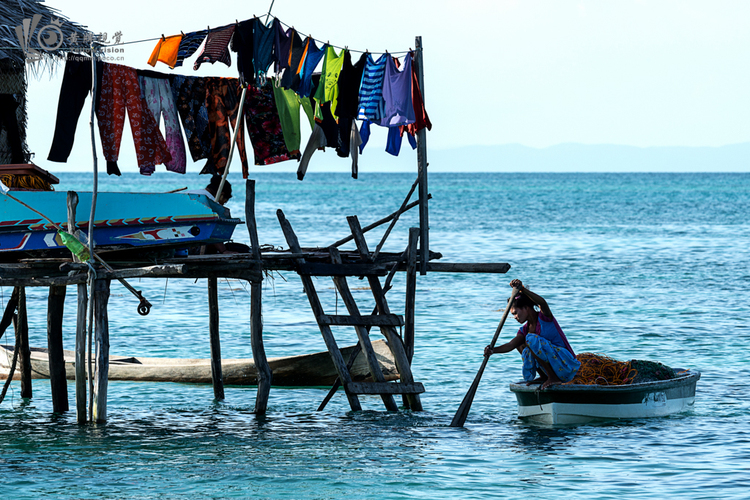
(386, 321)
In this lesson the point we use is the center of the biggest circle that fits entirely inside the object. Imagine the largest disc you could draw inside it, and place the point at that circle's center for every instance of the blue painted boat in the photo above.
(122, 221)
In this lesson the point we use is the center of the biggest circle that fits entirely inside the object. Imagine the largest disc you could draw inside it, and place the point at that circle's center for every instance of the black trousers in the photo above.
(76, 86)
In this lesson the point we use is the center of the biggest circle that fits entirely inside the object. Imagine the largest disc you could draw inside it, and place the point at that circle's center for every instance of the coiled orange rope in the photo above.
(598, 369)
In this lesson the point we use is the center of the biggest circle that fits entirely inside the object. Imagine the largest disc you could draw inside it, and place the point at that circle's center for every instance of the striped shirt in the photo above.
(371, 104)
(216, 47)
(189, 44)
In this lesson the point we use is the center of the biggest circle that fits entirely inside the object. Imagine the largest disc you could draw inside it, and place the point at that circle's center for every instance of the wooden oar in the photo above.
(463, 411)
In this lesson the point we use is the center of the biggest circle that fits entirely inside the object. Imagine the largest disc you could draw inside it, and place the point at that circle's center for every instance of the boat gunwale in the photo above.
(690, 377)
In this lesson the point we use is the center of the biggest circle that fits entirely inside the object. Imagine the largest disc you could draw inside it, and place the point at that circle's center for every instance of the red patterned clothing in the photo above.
(121, 91)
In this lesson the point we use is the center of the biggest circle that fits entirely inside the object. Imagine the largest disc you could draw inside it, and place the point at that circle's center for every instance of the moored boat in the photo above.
(314, 369)
(574, 404)
(122, 221)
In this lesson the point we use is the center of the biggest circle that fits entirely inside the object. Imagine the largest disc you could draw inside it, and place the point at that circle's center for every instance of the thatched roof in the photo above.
(14, 12)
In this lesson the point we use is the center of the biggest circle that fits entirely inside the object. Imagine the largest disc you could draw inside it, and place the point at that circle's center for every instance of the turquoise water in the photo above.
(648, 266)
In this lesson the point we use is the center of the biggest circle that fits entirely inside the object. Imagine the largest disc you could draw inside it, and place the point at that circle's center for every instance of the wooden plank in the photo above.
(80, 363)
(324, 269)
(384, 388)
(367, 320)
(312, 296)
(101, 328)
(363, 334)
(394, 340)
(470, 267)
(58, 383)
(213, 332)
(22, 344)
(265, 375)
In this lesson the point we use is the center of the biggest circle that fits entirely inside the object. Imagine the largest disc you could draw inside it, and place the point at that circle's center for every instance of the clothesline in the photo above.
(209, 29)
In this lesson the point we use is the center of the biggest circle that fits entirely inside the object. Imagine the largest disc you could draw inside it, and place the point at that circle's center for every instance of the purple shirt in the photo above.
(548, 329)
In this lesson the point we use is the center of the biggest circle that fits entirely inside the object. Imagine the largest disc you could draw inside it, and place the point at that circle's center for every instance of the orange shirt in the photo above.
(166, 51)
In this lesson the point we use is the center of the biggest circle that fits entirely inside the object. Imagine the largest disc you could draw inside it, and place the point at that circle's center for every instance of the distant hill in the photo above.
(591, 158)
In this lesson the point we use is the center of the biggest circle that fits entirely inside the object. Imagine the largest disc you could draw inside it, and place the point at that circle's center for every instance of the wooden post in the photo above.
(57, 381)
(213, 330)
(424, 219)
(81, 402)
(22, 344)
(101, 298)
(265, 376)
(80, 363)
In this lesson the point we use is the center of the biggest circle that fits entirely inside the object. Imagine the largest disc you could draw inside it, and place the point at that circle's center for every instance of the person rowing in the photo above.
(540, 340)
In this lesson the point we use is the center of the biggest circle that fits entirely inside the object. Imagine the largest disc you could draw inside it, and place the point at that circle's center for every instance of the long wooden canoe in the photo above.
(304, 370)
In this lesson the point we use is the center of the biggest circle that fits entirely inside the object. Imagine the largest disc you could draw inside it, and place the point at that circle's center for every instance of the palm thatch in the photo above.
(12, 15)
(36, 23)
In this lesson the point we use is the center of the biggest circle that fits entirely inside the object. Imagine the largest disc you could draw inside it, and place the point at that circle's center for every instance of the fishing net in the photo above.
(598, 369)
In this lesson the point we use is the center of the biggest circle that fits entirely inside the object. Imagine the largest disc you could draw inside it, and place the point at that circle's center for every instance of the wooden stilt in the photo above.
(363, 333)
(81, 406)
(390, 333)
(317, 308)
(411, 292)
(265, 376)
(22, 344)
(58, 383)
(80, 363)
(213, 329)
(101, 326)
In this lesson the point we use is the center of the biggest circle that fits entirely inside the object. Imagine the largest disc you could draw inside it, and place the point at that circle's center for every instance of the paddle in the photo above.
(463, 411)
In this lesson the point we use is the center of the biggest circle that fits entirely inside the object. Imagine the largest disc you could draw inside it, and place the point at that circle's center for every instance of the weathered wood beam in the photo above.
(56, 359)
(213, 330)
(394, 220)
(324, 269)
(384, 388)
(366, 320)
(379, 222)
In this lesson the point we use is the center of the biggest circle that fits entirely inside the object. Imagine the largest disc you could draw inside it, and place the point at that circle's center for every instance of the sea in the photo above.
(652, 266)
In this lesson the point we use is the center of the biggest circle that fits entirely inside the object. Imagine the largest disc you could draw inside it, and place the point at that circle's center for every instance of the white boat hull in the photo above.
(575, 404)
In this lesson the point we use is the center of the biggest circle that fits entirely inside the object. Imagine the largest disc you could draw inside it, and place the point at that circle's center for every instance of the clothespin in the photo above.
(181, 33)
(162, 37)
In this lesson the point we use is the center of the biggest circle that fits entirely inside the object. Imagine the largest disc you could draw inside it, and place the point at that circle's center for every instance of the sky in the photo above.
(536, 73)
